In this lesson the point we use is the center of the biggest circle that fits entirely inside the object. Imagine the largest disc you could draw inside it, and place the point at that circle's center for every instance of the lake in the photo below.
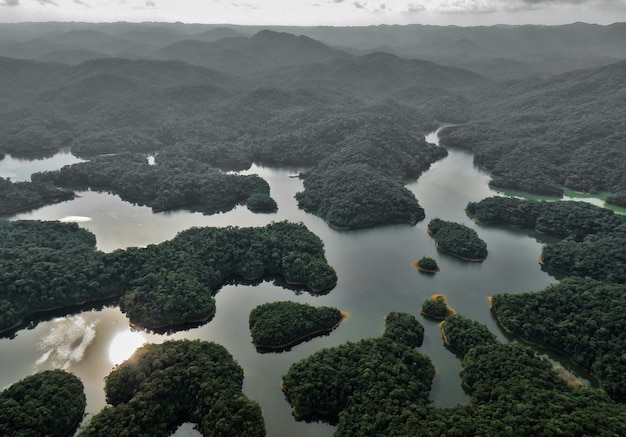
(375, 278)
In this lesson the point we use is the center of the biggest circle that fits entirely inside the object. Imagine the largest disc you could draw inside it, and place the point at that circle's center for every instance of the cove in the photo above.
(375, 278)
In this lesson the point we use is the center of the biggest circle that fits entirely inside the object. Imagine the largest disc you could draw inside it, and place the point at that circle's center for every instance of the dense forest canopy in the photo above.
(21, 196)
(594, 238)
(280, 325)
(52, 265)
(49, 403)
(457, 239)
(162, 386)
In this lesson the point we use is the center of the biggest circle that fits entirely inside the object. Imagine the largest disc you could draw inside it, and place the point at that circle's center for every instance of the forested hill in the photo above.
(542, 135)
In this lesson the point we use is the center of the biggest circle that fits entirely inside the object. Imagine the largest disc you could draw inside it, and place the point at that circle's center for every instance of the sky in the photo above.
(319, 12)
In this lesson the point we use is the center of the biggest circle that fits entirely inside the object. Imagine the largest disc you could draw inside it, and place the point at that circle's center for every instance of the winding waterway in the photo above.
(375, 277)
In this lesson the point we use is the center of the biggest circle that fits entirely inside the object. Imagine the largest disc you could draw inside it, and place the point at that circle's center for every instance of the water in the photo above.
(375, 277)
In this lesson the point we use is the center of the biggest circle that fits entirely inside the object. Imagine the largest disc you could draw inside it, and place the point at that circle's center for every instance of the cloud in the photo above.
(413, 8)
(244, 5)
(10, 3)
(359, 5)
(150, 4)
(48, 2)
(82, 3)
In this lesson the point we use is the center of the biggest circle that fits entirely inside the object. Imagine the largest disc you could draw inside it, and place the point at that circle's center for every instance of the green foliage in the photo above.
(51, 265)
(280, 325)
(49, 403)
(428, 263)
(580, 318)
(462, 334)
(20, 196)
(261, 202)
(364, 378)
(540, 135)
(162, 386)
(436, 308)
(167, 185)
(618, 199)
(457, 239)
(594, 241)
(354, 196)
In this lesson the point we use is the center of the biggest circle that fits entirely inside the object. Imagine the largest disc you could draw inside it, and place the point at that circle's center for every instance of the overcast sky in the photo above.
(319, 12)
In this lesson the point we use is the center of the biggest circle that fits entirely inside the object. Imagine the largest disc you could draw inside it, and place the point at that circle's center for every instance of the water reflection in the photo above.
(21, 169)
(66, 342)
(124, 344)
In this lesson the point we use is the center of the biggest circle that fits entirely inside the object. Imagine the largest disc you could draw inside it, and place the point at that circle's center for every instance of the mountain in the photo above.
(249, 55)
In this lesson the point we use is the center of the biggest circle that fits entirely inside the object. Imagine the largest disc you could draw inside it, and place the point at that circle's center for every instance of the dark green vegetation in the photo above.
(541, 135)
(280, 325)
(618, 199)
(427, 264)
(169, 185)
(50, 265)
(513, 391)
(580, 318)
(21, 196)
(458, 240)
(462, 334)
(370, 377)
(162, 386)
(594, 238)
(355, 196)
(49, 403)
(435, 307)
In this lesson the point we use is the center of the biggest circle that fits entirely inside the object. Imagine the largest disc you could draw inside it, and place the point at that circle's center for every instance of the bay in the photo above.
(375, 278)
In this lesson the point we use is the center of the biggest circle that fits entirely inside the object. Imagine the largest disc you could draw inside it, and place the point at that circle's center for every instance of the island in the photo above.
(165, 185)
(23, 196)
(426, 265)
(48, 403)
(380, 386)
(593, 238)
(340, 379)
(52, 265)
(462, 334)
(457, 240)
(357, 196)
(278, 326)
(436, 307)
(165, 385)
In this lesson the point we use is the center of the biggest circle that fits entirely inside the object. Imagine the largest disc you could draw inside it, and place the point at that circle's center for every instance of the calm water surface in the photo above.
(375, 277)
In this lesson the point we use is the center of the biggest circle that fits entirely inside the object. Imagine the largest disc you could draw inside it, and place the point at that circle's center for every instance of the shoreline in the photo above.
(423, 270)
(475, 260)
(168, 326)
(451, 311)
(34, 314)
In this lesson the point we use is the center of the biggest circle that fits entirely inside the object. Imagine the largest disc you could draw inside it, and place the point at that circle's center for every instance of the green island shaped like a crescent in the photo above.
(163, 386)
(277, 326)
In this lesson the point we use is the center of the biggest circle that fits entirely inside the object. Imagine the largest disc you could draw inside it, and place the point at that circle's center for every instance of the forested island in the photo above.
(356, 380)
(426, 264)
(48, 403)
(594, 238)
(278, 326)
(513, 391)
(458, 240)
(355, 196)
(163, 386)
(172, 184)
(436, 307)
(22, 196)
(52, 265)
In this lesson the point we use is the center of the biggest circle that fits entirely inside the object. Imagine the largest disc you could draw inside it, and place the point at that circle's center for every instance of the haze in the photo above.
(318, 12)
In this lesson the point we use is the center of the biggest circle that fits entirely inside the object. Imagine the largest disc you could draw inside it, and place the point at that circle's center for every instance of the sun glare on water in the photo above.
(124, 344)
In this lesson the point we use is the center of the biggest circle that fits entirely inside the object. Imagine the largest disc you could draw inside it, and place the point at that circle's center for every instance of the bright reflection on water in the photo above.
(124, 344)
(66, 342)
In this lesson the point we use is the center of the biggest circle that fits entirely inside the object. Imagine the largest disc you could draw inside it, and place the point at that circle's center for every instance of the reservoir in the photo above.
(375, 278)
